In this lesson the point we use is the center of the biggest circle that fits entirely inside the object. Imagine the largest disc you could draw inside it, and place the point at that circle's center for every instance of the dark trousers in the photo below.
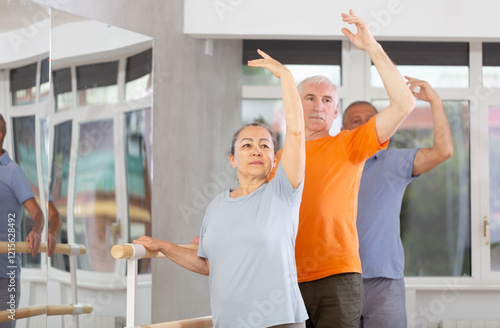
(333, 301)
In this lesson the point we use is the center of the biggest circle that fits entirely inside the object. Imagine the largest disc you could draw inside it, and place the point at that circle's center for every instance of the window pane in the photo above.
(23, 85)
(437, 76)
(138, 162)
(491, 64)
(98, 96)
(94, 205)
(59, 185)
(436, 236)
(494, 152)
(44, 80)
(63, 96)
(96, 84)
(491, 77)
(25, 156)
(138, 76)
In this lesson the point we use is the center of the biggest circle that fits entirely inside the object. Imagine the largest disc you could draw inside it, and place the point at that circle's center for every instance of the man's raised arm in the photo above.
(401, 99)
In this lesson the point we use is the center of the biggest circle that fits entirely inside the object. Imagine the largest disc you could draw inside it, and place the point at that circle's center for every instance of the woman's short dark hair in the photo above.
(271, 132)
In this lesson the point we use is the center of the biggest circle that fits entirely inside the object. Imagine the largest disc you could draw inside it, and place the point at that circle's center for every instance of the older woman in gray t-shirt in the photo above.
(247, 238)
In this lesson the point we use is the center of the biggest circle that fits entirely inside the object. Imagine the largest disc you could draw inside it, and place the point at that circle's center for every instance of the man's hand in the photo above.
(38, 222)
(51, 244)
(364, 38)
(34, 240)
(426, 92)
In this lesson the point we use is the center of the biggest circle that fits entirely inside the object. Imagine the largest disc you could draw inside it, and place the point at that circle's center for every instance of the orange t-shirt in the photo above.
(327, 239)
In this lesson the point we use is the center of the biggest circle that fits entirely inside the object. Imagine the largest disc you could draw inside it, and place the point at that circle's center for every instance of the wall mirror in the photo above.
(77, 96)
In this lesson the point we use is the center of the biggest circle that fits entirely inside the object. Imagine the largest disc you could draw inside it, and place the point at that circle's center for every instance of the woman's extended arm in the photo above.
(294, 153)
(185, 257)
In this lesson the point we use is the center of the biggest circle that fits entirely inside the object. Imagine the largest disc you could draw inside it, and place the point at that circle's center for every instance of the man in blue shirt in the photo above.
(15, 192)
(383, 183)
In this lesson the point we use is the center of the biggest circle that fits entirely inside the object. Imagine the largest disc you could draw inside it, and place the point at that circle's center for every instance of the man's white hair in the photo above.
(316, 80)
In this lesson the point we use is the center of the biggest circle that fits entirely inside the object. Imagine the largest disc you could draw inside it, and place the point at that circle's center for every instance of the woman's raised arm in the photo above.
(294, 153)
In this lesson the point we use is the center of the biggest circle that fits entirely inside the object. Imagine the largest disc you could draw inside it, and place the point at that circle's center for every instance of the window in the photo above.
(63, 97)
(44, 80)
(138, 165)
(97, 83)
(94, 204)
(442, 64)
(25, 155)
(23, 85)
(138, 77)
(436, 237)
(59, 185)
(494, 155)
(491, 65)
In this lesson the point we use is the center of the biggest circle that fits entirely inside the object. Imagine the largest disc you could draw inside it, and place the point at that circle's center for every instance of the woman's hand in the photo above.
(269, 63)
(152, 244)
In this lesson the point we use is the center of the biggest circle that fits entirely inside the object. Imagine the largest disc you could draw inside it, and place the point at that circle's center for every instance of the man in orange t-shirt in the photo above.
(326, 250)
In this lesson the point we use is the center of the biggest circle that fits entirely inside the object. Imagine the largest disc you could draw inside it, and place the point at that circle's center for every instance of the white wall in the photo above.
(321, 19)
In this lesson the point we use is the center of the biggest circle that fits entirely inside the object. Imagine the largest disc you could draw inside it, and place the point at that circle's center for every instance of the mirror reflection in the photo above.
(100, 164)
(76, 96)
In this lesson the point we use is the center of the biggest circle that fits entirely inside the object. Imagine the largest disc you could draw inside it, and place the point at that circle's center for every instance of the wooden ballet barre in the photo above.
(127, 252)
(24, 247)
(32, 311)
(68, 309)
(203, 322)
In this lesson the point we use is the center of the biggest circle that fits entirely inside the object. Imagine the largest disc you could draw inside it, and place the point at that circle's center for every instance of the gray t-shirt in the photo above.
(250, 242)
(383, 183)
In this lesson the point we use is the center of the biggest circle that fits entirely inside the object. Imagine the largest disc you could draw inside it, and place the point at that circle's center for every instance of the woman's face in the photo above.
(253, 152)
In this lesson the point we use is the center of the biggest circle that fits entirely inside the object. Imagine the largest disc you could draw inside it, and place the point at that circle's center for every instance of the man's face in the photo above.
(358, 115)
(320, 107)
